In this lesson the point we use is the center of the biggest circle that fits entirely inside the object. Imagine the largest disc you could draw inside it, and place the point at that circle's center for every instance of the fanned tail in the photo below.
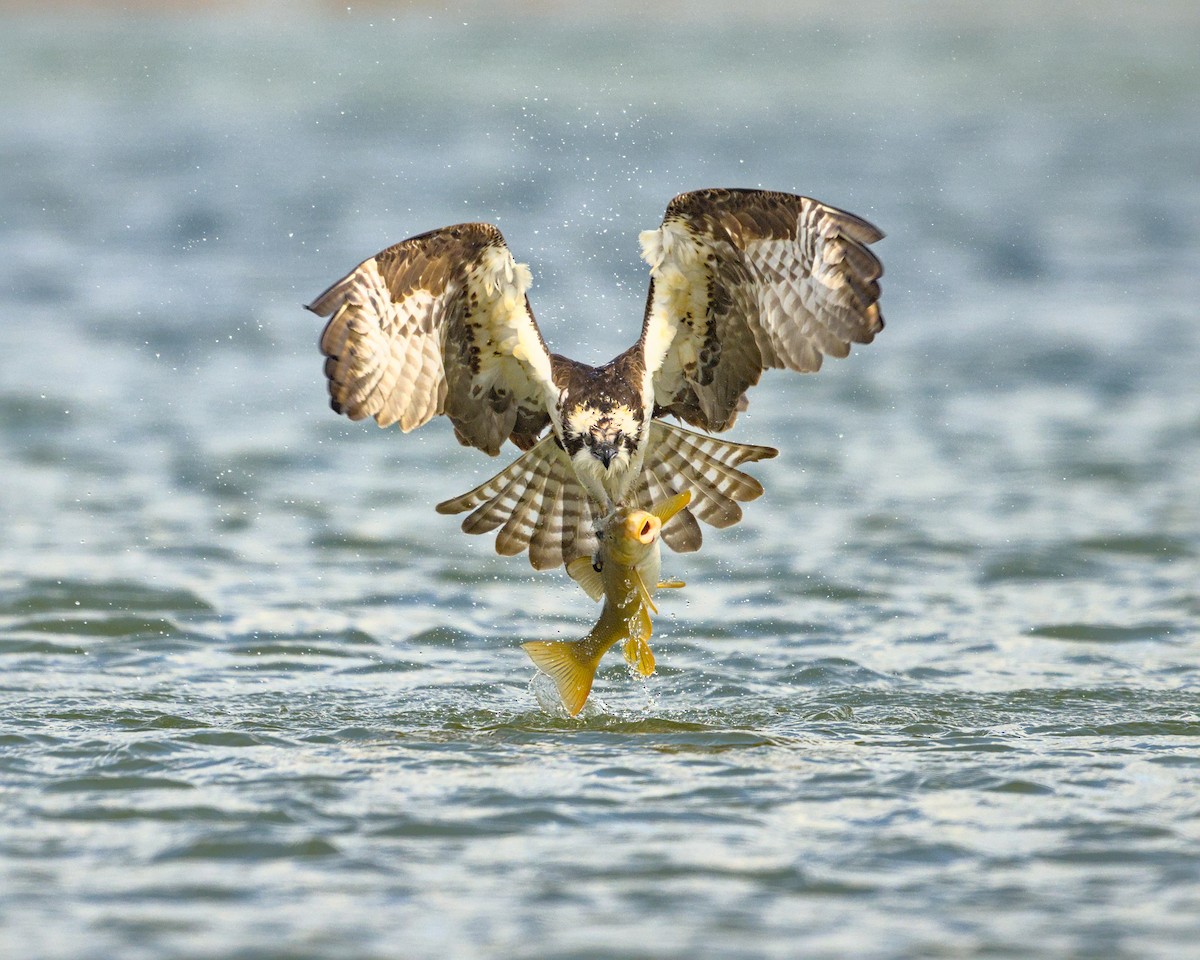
(537, 504)
(680, 459)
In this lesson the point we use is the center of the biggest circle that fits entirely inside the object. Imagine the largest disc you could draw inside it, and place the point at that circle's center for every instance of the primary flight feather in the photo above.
(740, 281)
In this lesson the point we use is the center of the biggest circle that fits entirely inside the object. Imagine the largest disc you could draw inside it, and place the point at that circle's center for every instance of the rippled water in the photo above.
(938, 695)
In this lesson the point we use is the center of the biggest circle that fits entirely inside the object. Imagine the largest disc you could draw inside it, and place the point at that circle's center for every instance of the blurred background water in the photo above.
(938, 695)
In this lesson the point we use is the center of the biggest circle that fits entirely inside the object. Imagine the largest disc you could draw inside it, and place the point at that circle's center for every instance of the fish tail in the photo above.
(571, 664)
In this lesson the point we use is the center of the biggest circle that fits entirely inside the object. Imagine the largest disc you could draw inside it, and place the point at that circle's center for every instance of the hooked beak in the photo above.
(604, 452)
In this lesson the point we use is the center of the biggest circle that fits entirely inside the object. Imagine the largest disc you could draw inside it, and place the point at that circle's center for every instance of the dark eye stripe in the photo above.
(572, 443)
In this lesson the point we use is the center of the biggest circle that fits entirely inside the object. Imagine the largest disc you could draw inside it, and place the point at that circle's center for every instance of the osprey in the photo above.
(740, 281)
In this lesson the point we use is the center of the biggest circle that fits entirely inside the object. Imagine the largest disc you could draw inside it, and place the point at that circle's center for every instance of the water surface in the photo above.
(937, 695)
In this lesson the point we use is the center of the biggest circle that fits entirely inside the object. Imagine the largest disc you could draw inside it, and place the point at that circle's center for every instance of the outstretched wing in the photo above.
(437, 324)
(745, 280)
(537, 504)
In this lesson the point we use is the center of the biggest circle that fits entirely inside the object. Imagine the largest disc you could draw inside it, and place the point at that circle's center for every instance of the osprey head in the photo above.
(601, 441)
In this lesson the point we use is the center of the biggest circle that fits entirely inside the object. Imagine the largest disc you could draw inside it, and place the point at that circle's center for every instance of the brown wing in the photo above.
(437, 324)
(745, 280)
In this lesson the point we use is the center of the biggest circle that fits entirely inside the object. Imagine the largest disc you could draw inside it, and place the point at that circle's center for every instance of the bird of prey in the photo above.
(740, 281)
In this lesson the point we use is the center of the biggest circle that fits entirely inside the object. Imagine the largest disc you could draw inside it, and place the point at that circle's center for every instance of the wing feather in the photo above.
(439, 323)
(746, 280)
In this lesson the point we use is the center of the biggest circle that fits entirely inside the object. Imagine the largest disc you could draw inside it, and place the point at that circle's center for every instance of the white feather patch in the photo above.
(678, 263)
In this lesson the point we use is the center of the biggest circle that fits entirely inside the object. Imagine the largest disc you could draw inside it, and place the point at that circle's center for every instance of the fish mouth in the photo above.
(642, 527)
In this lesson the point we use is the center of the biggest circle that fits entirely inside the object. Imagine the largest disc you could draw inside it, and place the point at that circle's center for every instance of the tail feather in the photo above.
(566, 526)
(521, 524)
(501, 508)
(536, 503)
(681, 532)
(680, 459)
(709, 504)
(494, 491)
(546, 543)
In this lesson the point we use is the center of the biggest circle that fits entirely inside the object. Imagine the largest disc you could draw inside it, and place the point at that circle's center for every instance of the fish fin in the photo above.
(670, 584)
(637, 650)
(666, 509)
(643, 592)
(584, 573)
(639, 655)
(569, 666)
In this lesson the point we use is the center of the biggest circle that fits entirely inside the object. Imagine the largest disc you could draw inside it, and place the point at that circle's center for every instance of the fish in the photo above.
(625, 573)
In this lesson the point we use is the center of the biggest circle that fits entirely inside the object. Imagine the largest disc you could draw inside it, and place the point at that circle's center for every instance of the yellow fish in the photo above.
(625, 573)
